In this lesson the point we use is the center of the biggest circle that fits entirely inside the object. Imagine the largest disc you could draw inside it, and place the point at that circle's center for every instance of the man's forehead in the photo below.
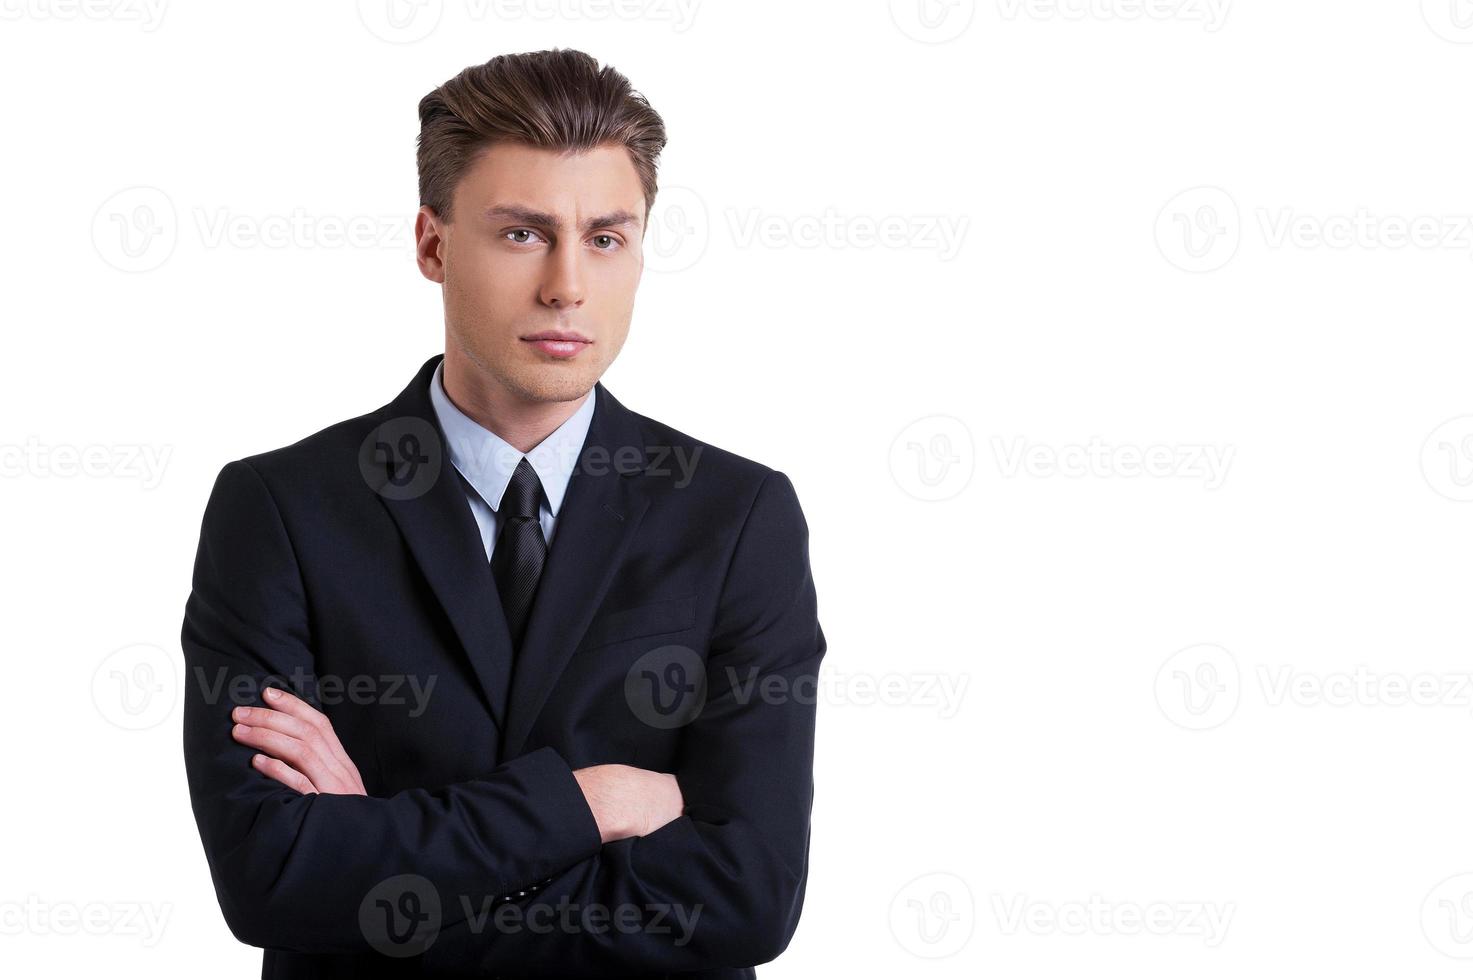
(556, 189)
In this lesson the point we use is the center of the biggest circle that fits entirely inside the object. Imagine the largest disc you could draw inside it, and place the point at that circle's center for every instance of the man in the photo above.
(504, 678)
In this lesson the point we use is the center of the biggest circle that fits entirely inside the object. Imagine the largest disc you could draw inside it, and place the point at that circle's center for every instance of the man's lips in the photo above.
(558, 335)
(561, 344)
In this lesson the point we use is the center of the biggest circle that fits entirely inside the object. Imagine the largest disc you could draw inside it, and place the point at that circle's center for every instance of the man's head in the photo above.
(536, 180)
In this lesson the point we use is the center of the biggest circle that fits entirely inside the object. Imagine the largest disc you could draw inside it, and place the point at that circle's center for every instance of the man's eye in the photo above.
(605, 238)
(521, 231)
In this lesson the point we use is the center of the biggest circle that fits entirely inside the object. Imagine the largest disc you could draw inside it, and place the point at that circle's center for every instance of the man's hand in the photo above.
(304, 751)
(629, 802)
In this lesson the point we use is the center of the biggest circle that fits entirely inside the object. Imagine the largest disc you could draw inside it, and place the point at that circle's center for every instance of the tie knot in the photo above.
(522, 493)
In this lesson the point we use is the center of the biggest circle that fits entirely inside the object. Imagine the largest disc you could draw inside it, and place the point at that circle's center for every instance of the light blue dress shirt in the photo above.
(487, 461)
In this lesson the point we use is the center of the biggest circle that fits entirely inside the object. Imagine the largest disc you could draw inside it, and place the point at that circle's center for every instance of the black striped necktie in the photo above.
(521, 550)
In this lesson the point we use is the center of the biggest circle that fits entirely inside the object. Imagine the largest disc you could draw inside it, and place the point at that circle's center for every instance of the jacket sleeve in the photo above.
(297, 872)
(721, 886)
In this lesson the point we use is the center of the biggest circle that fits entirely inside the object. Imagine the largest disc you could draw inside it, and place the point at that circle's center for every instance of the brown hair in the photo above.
(557, 100)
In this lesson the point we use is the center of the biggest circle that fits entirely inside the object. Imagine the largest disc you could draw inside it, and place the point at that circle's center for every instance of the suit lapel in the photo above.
(407, 464)
(601, 512)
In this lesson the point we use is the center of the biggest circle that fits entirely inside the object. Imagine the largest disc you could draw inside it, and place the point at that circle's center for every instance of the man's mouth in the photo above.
(561, 344)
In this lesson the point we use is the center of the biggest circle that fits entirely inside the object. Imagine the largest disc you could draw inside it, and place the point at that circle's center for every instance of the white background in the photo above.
(1225, 690)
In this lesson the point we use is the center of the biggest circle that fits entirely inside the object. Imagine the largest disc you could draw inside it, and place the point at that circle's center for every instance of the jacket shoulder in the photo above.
(330, 451)
(671, 452)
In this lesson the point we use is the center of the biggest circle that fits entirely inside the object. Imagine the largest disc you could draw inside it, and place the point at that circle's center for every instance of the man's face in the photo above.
(540, 242)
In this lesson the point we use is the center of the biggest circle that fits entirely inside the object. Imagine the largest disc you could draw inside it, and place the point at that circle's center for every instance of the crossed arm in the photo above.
(300, 750)
(295, 846)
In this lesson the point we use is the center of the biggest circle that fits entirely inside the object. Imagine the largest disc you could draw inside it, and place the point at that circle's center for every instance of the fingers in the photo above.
(289, 704)
(298, 735)
(274, 720)
(283, 773)
(301, 755)
(292, 741)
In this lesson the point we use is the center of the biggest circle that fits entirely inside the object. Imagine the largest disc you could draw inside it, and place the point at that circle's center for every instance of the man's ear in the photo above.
(430, 234)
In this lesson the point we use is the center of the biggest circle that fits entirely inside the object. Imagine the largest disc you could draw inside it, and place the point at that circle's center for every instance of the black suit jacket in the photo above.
(675, 629)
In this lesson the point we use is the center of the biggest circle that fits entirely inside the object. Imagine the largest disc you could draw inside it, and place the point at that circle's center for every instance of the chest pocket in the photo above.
(648, 619)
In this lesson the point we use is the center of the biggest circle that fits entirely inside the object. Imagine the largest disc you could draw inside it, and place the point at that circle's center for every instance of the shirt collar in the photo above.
(487, 461)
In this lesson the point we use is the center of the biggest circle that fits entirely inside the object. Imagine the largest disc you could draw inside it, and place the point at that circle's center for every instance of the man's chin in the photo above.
(553, 383)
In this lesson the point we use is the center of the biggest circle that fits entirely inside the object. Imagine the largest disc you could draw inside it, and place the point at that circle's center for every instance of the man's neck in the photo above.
(518, 422)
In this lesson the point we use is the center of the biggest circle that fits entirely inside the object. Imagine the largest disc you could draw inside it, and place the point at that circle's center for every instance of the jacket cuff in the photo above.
(571, 830)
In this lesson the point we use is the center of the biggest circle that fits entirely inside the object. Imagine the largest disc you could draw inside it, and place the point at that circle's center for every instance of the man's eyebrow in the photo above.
(531, 216)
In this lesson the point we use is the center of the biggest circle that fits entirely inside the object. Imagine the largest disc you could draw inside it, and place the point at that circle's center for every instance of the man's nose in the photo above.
(563, 283)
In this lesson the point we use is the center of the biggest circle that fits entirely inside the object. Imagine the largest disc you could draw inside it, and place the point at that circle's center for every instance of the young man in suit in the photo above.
(504, 678)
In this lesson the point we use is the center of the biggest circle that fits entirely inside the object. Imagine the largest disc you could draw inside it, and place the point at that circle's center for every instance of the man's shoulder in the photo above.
(331, 453)
(676, 455)
(712, 486)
